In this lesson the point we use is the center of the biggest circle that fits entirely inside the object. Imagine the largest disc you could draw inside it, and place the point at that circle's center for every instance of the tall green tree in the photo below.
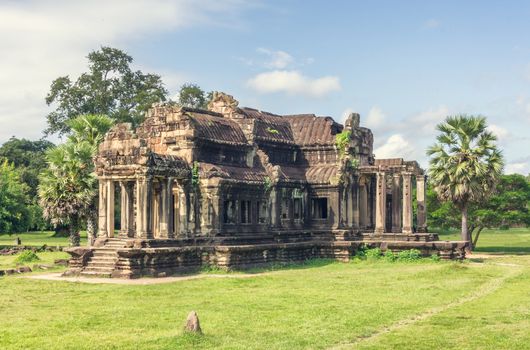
(14, 215)
(191, 95)
(68, 190)
(109, 87)
(90, 129)
(465, 164)
(66, 187)
(509, 206)
(28, 158)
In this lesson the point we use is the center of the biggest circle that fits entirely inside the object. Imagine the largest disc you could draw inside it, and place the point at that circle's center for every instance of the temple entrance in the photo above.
(388, 216)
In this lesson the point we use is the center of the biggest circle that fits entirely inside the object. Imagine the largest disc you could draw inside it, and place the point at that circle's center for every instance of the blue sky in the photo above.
(403, 65)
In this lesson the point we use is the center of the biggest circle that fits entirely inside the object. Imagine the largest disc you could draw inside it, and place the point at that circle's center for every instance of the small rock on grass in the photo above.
(192, 323)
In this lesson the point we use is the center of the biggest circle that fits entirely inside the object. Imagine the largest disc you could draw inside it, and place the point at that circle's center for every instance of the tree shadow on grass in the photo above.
(504, 250)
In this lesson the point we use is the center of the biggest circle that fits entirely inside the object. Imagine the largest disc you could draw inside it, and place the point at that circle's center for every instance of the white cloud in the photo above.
(517, 168)
(426, 121)
(501, 133)
(376, 118)
(42, 40)
(277, 59)
(396, 146)
(432, 23)
(294, 83)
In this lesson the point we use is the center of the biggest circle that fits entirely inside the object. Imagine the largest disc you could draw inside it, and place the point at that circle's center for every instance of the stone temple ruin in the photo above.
(237, 187)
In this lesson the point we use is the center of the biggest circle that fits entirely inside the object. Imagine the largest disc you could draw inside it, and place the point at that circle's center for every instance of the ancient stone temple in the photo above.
(238, 187)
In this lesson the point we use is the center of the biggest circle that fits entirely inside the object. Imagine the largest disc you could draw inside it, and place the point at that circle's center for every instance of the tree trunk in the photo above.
(91, 229)
(465, 231)
(73, 230)
(476, 236)
(75, 239)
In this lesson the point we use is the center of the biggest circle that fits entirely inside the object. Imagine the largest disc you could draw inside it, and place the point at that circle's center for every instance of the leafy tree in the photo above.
(442, 215)
(465, 164)
(28, 158)
(191, 95)
(109, 87)
(14, 215)
(66, 187)
(507, 207)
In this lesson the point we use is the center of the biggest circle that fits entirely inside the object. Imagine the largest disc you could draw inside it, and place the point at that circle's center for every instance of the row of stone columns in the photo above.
(402, 220)
(146, 200)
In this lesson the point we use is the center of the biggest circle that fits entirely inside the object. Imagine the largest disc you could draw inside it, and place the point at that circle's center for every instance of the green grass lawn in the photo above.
(512, 241)
(46, 258)
(362, 305)
(38, 239)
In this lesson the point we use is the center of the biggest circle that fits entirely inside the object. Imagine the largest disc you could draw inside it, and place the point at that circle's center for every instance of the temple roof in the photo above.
(308, 129)
(317, 174)
(217, 129)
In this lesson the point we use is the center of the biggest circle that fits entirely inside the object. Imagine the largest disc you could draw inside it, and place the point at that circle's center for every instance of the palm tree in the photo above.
(66, 187)
(90, 129)
(465, 163)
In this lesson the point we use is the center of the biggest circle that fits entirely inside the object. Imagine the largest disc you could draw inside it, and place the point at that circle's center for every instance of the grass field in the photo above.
(480, 304)
(38, 239)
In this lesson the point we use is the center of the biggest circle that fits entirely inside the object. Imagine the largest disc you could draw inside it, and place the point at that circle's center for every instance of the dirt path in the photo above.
(138, 281)
(484, 290)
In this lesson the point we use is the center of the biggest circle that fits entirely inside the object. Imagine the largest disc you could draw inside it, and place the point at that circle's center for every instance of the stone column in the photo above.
(164, 207)
(349, 205)
(127, 209)
(396, 203)
(102, 209)
(110, 208)
(363, 207)
(380, 203)
(183, 213)
(275, 208)
(422, 205)
(343, 207)
(355, 212)
(170, 209)
(407, 203)
(144, 199)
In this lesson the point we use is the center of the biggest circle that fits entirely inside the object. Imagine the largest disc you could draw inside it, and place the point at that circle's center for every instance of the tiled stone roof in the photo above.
(255, 174)
(320, 174)
(308, 129)
(217, 129)
(270, 127)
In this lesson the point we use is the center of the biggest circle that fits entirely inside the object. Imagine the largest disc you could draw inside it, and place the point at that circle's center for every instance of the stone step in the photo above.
(99, 268)
(104, 265)
(96, 274)
(102, 261)
(104, 258)
(98, 252)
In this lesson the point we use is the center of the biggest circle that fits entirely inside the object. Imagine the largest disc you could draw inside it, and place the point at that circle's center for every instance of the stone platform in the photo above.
(133, 258)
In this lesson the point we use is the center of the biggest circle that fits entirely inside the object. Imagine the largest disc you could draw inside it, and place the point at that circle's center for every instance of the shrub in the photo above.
(26, 256)
(389, 256)
(373, 254)
(435, 257)
(409, 255)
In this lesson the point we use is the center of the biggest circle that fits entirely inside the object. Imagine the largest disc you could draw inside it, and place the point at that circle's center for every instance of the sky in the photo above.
(403, 65)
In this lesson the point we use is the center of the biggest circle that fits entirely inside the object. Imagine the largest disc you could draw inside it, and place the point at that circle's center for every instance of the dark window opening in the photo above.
(319, 208)
(262, 211)
(229, 212)
(297, 208)
(245, 212)
(285, 208)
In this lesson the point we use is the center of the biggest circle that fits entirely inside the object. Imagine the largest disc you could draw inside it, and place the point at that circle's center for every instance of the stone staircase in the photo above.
(103, 260)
